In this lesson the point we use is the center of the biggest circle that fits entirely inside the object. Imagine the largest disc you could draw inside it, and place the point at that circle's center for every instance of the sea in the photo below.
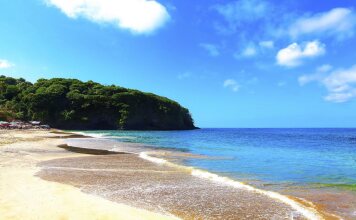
(296, 161)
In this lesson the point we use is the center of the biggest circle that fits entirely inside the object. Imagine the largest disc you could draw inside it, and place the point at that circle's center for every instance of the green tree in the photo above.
(73, 104)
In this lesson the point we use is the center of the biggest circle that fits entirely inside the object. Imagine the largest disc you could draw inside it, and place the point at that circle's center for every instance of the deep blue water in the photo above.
(295, 156)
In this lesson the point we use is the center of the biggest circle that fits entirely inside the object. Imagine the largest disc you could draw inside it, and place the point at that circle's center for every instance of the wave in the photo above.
(102, 135)
(94, 135)
(307, 212)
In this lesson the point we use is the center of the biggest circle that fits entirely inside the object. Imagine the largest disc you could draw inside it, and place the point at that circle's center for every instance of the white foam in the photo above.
(94, 135)
(307, 212)
(102, 135)
(144, 155)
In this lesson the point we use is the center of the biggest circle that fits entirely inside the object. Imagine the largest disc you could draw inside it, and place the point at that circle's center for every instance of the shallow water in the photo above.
(294, 156)
(129, 179)
(285, 160)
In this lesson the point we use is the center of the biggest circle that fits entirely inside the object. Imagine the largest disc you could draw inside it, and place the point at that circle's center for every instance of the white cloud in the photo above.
(340, 97)
(324, 68)
(252, 49)
(267, 44)
(138, 16)
(232, 84)
(339, 22)
(249, 51)
(184, 75)
(5, 64)
(243, 10)
(304, 79)
(240, 12)
(340, 84)
(229, 82)
(321, 72)
(212, 49)
(294, 54)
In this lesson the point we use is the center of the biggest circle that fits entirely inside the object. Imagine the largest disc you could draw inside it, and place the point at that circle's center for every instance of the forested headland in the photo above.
(73, 104)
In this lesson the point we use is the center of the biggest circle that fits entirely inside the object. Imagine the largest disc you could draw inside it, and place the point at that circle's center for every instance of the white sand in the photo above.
(25, 196)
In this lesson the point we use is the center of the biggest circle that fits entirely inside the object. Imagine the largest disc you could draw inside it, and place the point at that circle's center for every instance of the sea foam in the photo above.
(94, 135)
(307, 212)
(102, 135)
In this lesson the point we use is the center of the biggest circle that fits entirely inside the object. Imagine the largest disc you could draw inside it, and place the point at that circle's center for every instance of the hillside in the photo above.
(77, 105)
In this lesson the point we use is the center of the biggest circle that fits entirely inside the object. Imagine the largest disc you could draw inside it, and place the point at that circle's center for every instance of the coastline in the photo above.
(25, 196)
(60, 167)
(190, 176)
(304, 207)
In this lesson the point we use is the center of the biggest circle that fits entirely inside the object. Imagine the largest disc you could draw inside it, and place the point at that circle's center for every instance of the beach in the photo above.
(25, 196)
(44, 176)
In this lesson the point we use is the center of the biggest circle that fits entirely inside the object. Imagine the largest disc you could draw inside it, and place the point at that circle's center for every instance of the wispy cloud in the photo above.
(4, 64)
(267, 44)
(281, 83)
(184, 75)
(237, 13)
(212, 49)
(247, 52)
(339, 22)
(242, 10)
(231, 84)
(324, 68)
(340, 83)
(252, 49)
(295, 54)
(319, 75)
(138, 16)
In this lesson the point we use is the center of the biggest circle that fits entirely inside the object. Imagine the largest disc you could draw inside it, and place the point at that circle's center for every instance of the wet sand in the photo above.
(336, 201)
(128, 179)
(25, 196)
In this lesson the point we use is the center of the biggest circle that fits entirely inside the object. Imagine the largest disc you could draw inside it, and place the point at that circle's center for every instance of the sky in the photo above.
(242, 63)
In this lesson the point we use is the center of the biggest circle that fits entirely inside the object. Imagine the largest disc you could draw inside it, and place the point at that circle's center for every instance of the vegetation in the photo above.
(73, 104)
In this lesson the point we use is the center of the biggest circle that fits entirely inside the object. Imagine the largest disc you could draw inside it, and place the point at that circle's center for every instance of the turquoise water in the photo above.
(288, 156)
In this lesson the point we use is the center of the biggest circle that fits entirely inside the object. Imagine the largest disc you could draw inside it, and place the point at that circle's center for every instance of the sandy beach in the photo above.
(41, 177)
(25, 196)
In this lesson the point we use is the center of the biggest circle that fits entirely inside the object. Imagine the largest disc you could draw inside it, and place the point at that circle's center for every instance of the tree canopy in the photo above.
(73, 104)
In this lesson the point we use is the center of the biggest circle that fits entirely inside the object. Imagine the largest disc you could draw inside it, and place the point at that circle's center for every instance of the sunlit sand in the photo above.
(24, 196)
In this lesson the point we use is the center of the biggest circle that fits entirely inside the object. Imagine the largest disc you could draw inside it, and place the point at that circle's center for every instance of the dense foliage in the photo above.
(73, 104)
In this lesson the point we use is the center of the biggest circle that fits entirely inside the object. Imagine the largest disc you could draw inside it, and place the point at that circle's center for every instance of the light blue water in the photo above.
(293, 156)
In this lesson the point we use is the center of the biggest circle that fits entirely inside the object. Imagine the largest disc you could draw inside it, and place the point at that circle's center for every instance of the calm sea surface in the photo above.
(324, 157)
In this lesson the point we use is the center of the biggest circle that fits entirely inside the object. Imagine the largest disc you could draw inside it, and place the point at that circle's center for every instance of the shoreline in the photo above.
(308, 210)
(322, 203)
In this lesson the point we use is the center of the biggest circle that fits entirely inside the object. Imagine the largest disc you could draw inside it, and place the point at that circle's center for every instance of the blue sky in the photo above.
(244, 63)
